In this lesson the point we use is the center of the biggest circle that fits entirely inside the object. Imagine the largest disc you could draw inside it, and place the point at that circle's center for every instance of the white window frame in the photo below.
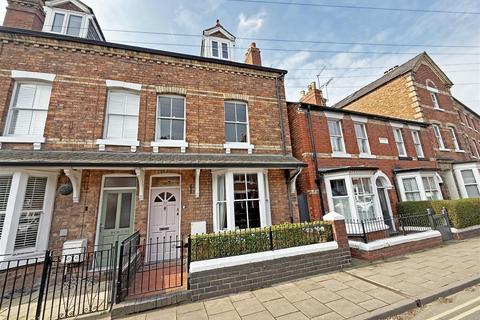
(120, 86)
(238, 145)
(220, 42)
(349, 176)
(417, 142)
(265, 219)
(458, 168)
(453, 136)
(398, 133)
(431, 189)
(14, 209)
(170, 143)
(438, 135)
(337, 119)
(87, 19)
(26, 77)
(434, 96)
(418, 177)
(363, 127)
(475, 148)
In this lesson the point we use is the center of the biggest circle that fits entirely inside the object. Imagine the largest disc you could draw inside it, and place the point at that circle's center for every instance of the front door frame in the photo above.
(160, 188)
(100, 205)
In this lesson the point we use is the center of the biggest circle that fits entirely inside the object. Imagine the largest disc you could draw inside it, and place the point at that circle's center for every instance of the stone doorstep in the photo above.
(130, 307)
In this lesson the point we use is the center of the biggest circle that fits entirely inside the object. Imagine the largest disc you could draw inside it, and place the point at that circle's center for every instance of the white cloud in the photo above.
(247, 26)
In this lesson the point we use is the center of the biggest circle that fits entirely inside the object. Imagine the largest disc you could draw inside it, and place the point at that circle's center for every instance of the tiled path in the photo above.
(341, 295)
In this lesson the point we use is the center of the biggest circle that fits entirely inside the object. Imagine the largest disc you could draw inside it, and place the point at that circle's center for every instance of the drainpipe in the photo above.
(318, 177)
(280, 113)
(289, 179)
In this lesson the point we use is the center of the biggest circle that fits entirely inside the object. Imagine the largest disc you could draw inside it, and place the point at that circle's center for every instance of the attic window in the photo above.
(215, 48)
(224, 51)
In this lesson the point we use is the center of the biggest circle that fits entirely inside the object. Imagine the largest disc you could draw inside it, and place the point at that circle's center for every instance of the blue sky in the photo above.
(261, 21)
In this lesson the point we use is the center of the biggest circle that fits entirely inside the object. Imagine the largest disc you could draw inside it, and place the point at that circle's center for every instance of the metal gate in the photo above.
(57, 286)
(441, 223)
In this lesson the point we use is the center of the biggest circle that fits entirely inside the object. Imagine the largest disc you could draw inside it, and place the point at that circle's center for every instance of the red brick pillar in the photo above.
(339, 230)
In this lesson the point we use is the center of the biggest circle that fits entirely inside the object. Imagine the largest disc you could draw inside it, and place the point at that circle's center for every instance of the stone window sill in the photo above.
(169, 144)
(341, 155)
(36, 140)
(238, 145)
(133, 144)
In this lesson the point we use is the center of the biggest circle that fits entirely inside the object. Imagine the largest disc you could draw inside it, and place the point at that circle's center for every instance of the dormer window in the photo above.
(218, 43)
(76, 21)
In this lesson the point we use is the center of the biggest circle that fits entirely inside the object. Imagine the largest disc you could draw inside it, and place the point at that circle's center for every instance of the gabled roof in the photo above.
(408, 66)
(218, 28)
(79, 4)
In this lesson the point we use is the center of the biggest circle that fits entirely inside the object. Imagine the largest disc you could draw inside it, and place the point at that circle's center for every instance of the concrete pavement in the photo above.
(369, 290)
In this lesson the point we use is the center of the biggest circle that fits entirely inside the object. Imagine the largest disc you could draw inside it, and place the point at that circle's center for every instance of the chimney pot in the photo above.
(313, 95)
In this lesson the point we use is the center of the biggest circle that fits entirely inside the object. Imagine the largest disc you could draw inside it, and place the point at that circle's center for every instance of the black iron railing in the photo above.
(377, 228)
(147, 267)
(57, 286)
(239, 242)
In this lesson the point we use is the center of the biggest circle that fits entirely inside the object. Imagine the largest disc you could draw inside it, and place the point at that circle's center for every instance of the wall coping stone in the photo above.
(394, 241)
(455, 230)
(218, 263)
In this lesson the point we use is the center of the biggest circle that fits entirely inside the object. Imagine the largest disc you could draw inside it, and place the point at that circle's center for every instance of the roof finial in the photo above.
(218, 22)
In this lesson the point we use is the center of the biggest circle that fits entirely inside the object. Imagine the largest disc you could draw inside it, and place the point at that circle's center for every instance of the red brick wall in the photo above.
(387, 155)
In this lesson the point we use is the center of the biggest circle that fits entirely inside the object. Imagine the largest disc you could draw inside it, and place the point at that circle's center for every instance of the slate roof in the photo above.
(400, 70)
(153, 160)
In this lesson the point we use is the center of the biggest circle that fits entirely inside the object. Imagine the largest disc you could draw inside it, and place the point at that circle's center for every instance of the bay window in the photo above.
(418, 186)
(471, 183)
(240, 200)
(340, 197)
(26, 205)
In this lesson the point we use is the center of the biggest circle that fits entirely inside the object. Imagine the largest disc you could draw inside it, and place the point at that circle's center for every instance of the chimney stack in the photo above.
(313, 96)
(25, 14)
(253, 55)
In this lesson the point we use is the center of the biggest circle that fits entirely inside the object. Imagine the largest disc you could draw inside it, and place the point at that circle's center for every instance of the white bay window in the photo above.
(240, 200)
(26, 205)
(468, 179)
(418, 186)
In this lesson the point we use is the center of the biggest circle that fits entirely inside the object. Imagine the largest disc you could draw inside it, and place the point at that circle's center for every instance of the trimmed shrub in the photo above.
(408, 208)
(462, 213)
(234, 243)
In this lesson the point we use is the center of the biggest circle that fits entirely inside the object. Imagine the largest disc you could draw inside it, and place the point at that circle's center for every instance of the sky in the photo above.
(288, 36)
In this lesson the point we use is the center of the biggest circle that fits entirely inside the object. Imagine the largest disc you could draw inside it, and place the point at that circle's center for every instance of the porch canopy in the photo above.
(96, 159)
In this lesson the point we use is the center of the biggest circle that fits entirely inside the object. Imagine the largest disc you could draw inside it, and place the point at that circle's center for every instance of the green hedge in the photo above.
(233, 243)
(462, 213)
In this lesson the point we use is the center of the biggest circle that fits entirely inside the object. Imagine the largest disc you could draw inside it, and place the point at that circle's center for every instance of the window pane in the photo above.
(252, 186)
(241, 133)
(221, 188)
(125, 210)
(38, 122)
(342, 206)
(339, 187)
(165, 181)
(334, 128)
(110, 211)
(35, 193)
(472, 191)
(165, 129)
(239, 187)
(120, 182)
(224, 51)
(115, 127)
(116, 102)
(74, 25)
(410, 184)
(132, 104)
(468, 177)
(215, 48)
(92, 33)
(222, 215)
(165, 106)
(20, 122)
(230, 132)
(229, 111)
(177, 107)
(177, 129)
(241, 112)
(131, 128)
(253, 214)
(240, 209)
(360, 130)
(42, 97)
(58, 22)
(25, 96)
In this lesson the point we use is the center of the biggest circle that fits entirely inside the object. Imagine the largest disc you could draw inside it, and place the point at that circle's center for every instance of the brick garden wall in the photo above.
(397, 249)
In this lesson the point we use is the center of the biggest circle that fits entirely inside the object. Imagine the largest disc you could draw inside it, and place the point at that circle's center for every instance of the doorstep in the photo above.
(149, 303)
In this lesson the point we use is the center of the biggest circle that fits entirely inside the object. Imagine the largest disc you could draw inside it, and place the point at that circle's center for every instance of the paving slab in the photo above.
(267, 294)
(229, 315)
(346, 308)
(248, 306)
(329, 316)
(280, 307)
(372, 304)
(194, 315)
(264, 315)
(354, 295)
(295, 294)
(324, 295)
(312, 308)
(218, 306)
(293, 316)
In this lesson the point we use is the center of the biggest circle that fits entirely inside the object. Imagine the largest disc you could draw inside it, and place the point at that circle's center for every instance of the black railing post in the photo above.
(189, 259)
(119, 275)
(402, 227)
(114, 274)
(270, 234)
(41, 291)
(365, 235)
(430, 219)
